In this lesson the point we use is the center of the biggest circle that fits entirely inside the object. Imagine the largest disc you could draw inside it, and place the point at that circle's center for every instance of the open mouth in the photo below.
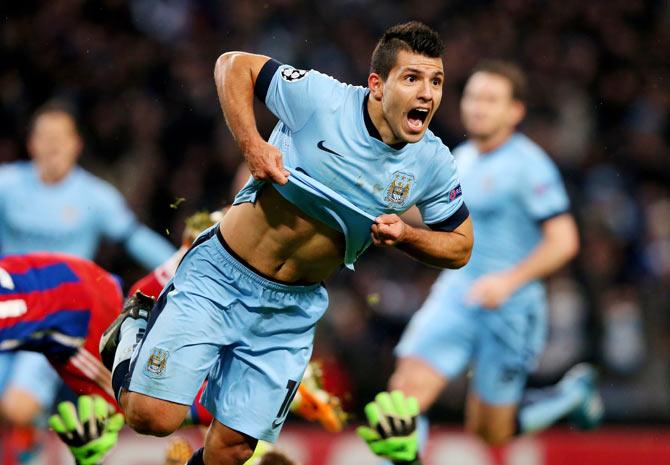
(416, 118)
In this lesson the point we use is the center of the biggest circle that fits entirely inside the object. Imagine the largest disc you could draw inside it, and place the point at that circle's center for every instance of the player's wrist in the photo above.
(416, 461)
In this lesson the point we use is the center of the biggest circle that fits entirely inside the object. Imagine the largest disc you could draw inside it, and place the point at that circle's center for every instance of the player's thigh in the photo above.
(509, 343)
(417, 378)
(23, 398)
(226, 446)
(495, 423)
(438, 344)
(181, 344)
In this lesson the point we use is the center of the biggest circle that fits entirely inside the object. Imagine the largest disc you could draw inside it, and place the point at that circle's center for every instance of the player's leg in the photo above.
(495, 424)
(157, 386)
(22, 399)
(159, 364)
(416, 377)
(268, 336)
(436, 346)
(498, 406)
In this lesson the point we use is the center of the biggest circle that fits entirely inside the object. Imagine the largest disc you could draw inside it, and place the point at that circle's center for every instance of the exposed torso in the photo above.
(280, 241)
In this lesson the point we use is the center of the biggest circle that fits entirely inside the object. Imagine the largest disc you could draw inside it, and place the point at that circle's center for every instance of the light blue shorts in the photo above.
(501, 345)
(249, 336)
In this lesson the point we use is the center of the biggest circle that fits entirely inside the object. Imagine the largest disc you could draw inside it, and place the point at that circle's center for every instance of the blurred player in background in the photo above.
(492, 313)
(51, 204)
(244, 302)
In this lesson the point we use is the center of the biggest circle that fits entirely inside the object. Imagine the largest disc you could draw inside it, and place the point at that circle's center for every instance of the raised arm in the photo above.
(235, 75)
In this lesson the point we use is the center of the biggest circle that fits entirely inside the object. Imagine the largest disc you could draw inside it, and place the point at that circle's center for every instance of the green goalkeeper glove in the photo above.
(392, 430)
(89, 431)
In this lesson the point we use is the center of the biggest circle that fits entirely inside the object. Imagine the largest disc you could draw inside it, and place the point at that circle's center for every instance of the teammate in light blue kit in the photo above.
(51, 204)
(492, 313)
(242, 307)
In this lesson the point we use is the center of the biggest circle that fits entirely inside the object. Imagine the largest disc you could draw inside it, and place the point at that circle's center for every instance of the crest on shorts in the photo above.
(398, 191)
(157, 362)
(292, 74)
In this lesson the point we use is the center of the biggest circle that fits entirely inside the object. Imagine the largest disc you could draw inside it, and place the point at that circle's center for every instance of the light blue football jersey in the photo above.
(325, 134)
(70, 216)
(510, 192)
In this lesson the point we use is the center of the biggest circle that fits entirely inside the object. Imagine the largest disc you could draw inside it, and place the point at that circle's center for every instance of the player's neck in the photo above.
(489, 144)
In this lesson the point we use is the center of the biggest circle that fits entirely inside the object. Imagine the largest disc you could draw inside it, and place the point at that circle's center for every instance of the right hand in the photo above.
(265, 162)
(90, 431)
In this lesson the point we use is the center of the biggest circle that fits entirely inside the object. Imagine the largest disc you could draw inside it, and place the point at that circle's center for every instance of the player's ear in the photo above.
(376, 86)
(518, 112)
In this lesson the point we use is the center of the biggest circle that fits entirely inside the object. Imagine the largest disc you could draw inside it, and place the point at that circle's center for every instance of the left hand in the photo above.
(388, 230)
(392, 427)
(90, 430)
(492, 290)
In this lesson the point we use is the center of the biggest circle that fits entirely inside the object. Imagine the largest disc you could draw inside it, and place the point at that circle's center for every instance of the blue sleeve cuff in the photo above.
(264, 78)
(452, 222)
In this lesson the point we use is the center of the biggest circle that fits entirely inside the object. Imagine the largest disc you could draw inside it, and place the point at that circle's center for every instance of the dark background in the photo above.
(140, 76)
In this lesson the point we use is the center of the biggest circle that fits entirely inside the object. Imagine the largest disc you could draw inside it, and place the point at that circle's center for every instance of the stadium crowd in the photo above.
(140, 75)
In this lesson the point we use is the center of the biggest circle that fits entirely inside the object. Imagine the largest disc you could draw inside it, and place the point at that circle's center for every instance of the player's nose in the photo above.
(425, 91)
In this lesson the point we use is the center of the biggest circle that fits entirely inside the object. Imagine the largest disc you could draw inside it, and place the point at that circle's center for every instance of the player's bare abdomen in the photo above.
(277, 239)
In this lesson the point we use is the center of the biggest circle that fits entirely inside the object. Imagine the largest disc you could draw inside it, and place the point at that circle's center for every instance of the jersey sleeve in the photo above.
(443, 207)
(291, 94)
(116, 220)
(543, 192)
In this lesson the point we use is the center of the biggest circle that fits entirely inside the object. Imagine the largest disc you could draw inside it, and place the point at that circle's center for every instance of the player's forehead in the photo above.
(407, 60)
(54, 120)
(489, 83)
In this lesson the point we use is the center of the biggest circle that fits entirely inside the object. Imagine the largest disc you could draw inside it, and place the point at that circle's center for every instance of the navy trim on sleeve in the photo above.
(453, 222)
(553, 215)
(264, 78)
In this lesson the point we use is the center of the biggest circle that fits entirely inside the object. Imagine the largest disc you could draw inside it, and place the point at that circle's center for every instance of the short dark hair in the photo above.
(413, 37)
(508, 70)
(54, 106)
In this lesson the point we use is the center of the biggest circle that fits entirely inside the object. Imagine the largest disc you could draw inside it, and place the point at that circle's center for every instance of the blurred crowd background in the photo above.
(139, 73)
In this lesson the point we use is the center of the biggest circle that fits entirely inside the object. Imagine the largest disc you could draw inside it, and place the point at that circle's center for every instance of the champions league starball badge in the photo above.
(292, 74)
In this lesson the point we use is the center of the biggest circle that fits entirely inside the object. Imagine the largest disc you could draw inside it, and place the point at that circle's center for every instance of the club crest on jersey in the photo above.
(292, 74)
(157, 362)
(398, 191)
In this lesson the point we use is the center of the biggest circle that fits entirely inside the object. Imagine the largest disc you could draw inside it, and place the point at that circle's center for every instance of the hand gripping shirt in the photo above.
(341, 172)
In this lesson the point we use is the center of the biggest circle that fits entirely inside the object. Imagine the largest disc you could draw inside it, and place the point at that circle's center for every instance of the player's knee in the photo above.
(491, 436)
(151, 417)
(18, 407)
(417, 386)
(225, 446)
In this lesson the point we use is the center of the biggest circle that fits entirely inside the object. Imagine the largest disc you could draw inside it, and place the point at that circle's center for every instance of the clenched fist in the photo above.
(388, 230)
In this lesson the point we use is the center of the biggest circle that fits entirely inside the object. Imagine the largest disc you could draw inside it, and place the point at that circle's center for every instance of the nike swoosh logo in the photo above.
(277, 423)
(326, 149)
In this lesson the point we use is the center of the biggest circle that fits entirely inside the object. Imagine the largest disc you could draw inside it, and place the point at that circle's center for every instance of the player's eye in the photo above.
(437, 82)
(410, 78)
